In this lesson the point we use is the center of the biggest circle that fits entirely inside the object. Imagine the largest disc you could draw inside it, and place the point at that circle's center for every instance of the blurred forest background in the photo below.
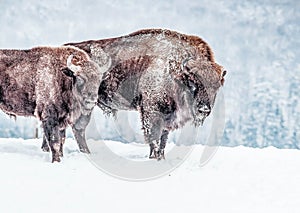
(256, 41)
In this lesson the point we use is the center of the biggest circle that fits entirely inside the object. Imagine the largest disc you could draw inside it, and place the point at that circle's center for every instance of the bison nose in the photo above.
(204, 109)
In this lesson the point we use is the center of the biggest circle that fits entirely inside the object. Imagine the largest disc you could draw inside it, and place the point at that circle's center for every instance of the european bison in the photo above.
(170, 78)
(57, 85)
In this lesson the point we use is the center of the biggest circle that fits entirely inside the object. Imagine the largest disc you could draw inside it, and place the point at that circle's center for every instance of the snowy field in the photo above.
(235, 180)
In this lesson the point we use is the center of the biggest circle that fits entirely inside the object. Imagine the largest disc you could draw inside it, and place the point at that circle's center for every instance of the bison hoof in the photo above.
(159, 155)
(45, 149)
(85, 150)
(152, 157)
(55, 159)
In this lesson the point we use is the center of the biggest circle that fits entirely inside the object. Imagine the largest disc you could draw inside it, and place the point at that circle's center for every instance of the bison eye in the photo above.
(192, 86)
(80, 81)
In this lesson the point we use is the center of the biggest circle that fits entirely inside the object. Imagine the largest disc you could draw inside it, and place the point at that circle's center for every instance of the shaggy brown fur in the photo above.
(40, 82)
(169, 77)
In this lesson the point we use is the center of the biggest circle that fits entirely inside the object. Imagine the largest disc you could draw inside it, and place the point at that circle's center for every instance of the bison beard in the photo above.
(57, 85)
(169, 77)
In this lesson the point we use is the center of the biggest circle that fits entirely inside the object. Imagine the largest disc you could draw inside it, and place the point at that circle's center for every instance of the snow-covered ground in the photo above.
(235, 180)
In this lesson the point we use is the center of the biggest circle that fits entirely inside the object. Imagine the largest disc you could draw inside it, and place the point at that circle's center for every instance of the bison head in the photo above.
(201, 80)
(86, 75)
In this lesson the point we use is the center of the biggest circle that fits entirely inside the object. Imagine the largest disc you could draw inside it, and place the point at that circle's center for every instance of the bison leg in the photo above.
(79, 132)
(157, 150)
(62, 134)
(45, 146)
(79, 135)
(153, 125)
(51, 132)
(162, 145)
(153, 150)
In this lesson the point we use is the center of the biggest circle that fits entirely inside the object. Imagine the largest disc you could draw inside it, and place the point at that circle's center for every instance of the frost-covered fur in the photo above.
(170, 78)
(57, 85)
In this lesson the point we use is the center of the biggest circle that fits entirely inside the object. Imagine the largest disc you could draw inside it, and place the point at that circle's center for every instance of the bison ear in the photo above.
(74, 68)
(222, 79)
(68, 72)
(185, 66)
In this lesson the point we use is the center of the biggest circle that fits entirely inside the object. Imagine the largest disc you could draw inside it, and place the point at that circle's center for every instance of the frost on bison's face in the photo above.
(169, 77)
(201, 80)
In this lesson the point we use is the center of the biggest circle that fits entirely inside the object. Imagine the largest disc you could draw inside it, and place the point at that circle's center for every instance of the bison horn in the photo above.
(222, 76)
(184, 62)
(75, 68)
(224, 73)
